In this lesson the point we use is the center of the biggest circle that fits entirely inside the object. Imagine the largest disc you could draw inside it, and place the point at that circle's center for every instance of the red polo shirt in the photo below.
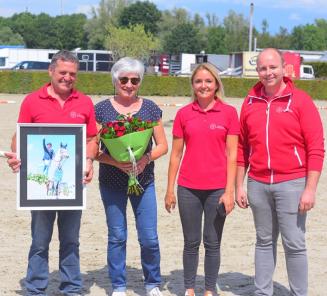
(204, 164)
(40, 107)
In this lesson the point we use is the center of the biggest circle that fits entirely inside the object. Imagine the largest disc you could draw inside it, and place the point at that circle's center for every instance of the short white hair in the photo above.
(126, 65)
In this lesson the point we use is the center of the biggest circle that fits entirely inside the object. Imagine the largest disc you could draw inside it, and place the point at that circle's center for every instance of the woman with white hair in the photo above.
(127, 75)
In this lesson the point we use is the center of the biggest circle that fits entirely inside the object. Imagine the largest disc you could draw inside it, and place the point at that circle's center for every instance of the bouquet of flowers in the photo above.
(126, 140)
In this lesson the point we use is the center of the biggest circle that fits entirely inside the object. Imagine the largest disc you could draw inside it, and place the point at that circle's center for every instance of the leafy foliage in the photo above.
(132, 41)
(216, 40)
(142, 13)
(76, 30)
(237, 29)
(107, 13)
(39, 178)
(183, 39)
(8, 37)
(100, 84)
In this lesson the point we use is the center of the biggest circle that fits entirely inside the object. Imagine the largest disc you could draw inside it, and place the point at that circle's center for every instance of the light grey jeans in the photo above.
(275, 209)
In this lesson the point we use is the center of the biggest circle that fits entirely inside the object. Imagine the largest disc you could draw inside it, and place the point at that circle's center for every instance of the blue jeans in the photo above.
(275, 209)
(68, 222)
(145, 212)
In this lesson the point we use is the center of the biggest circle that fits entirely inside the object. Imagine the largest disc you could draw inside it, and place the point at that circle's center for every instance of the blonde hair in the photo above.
(214, 72)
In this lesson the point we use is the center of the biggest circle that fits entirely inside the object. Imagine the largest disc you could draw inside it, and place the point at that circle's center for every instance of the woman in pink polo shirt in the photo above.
(208, 128)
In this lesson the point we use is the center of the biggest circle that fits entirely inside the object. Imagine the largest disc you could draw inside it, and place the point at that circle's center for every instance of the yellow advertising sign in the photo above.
(250, 63)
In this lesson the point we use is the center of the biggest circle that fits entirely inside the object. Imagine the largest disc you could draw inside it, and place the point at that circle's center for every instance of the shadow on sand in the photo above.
(233, 282)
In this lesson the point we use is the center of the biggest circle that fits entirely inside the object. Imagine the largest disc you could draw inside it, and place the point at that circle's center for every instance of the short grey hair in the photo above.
(64, 55)
(127, 65)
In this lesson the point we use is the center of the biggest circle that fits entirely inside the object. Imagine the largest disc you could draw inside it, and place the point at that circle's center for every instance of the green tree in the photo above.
(322, 25)
(45, 32)
(170, 19)
(8, 37)
(183, 39)
(132, 42)
(24, 25)
(282, 39)
(264, 39)
(216, 40)
(144, 13)
(106, 14)
(308, 37)
(212, 20)
(70, 31)
(237, 32)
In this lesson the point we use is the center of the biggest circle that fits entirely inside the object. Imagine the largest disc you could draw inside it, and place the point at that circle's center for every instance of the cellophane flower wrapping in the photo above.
(126, 140)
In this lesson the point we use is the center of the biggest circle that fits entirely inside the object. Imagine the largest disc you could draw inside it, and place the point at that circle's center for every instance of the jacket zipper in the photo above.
(297, 155)
(267, 129)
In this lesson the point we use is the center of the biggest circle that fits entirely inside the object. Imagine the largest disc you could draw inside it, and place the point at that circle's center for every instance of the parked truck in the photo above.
(244, 64)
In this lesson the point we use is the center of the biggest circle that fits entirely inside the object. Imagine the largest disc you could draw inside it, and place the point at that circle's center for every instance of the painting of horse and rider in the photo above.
(50, 166)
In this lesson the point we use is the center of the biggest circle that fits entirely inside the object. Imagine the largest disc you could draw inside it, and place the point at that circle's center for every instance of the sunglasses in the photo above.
(134, 80)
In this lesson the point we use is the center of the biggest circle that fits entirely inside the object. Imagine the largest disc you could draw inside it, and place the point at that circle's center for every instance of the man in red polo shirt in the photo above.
(57, 102)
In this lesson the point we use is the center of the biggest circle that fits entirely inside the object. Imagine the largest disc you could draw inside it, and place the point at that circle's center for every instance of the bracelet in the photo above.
(148, 156)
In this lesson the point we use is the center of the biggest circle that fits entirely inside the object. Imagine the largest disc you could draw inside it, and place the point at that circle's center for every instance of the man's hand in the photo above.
(88, 175)
(307, 201)
(12, 161)
(241, 198)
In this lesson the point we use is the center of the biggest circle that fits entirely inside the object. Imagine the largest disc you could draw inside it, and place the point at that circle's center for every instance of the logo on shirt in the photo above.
(281, 110)
(74, 114)
(214, 126)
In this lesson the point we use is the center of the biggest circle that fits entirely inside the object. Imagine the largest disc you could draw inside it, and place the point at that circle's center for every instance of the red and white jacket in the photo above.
(282, 138)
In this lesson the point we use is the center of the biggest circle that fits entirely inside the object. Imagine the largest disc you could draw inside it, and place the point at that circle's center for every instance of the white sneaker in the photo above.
(187, 294)
(154, 292)
(118, 293)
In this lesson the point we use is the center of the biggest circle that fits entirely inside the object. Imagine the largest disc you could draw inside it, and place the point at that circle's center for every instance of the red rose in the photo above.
(116, 127)
(104, 131)
(120, 133)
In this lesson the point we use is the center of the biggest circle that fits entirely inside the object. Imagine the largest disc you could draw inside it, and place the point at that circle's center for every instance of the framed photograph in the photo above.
(52, 165)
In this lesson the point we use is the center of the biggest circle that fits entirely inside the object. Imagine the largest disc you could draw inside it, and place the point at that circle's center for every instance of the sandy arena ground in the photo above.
(236, 271)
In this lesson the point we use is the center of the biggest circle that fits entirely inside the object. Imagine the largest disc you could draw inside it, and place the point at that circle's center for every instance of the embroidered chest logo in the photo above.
(282, 110)
(214, 126)
(74, 114)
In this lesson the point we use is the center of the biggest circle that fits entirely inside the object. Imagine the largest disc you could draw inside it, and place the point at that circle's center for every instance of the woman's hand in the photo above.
(142, 163)
(170, 201)
(228, 199)
(126, 167)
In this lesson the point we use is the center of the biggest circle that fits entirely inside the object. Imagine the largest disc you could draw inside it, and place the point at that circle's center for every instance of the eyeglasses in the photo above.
(134, 80)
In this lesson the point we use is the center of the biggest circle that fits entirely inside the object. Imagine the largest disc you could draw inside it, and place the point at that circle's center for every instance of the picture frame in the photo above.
(52, 166)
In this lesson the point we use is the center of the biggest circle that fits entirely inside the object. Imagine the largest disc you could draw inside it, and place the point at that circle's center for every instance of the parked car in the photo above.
(31, 65)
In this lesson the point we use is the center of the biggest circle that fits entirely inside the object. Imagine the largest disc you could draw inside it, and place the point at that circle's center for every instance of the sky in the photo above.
(35, 154)
(285, 13)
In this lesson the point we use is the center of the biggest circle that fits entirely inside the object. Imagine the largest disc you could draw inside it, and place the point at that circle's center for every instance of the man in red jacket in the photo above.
(282, 145)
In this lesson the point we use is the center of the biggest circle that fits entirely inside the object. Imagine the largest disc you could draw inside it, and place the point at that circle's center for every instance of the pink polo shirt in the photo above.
(204, 164)
(40, 107)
